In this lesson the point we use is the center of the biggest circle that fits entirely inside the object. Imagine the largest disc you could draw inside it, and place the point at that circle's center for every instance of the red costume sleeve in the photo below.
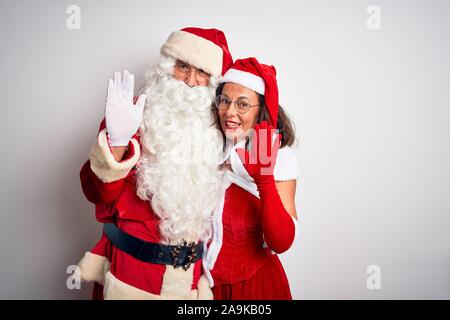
(97, 191)
(278, 226)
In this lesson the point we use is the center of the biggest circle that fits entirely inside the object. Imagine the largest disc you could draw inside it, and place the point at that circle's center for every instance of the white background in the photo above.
(371, 107)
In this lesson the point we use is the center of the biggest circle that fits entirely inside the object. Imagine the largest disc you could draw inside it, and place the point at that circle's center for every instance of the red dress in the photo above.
(245, 269)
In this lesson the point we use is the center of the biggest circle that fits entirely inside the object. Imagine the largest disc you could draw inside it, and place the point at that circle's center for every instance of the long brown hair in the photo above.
(284, 124)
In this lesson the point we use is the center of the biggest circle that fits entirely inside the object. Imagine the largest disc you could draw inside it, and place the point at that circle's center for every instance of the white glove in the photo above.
(122, 116)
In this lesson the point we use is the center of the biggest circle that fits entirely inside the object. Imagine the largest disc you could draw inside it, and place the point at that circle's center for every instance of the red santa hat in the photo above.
(206, 49)
(259, 77)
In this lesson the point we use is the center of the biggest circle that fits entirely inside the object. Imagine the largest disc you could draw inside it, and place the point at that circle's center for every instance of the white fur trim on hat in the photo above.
(245, 79)
(103, 164)
(195, 50)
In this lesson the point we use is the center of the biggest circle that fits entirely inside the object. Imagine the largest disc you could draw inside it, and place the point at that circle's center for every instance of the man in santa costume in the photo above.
(153, 174)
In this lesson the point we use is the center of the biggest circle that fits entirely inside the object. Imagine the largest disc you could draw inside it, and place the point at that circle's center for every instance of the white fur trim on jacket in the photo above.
(92, 267)
(204, 291)
(103, 164)
(195, 50)
(116, 289)
(176, 284)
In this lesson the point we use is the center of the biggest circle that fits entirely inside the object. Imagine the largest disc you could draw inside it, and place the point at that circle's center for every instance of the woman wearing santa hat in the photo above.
(255, 218)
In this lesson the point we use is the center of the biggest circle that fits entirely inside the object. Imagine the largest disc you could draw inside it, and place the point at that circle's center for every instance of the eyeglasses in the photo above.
(185, 70)
(242, 105)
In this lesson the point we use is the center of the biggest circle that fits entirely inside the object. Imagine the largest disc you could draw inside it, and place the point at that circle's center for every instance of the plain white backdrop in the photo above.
(371, 107)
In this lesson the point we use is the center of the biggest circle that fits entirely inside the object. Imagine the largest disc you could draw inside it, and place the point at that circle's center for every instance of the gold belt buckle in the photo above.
(174, 254)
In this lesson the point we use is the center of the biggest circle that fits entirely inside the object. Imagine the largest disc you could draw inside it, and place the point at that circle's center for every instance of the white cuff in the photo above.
(103, 164)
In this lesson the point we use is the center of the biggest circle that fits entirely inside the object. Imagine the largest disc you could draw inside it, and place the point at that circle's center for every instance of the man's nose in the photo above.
(191, 79)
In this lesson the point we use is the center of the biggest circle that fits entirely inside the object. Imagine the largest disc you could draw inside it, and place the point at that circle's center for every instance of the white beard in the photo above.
(181, 150)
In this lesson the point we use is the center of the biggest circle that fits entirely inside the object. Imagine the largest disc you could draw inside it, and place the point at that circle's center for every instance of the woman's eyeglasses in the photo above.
(242, 105)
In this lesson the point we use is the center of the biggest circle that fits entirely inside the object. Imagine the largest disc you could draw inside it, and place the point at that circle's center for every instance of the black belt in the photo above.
(182, 255)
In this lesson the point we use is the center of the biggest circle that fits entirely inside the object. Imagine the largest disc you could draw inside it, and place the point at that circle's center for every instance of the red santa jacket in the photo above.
(111, 186)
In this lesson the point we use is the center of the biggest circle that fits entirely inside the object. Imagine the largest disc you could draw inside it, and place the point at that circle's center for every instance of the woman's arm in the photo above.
(286, 190)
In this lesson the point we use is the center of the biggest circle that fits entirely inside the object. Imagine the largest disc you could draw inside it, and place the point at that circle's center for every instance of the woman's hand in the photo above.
(264, 145)
(123, 117)
(278, 226)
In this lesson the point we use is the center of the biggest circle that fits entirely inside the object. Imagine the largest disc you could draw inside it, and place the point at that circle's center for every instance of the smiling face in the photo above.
(232, 122)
